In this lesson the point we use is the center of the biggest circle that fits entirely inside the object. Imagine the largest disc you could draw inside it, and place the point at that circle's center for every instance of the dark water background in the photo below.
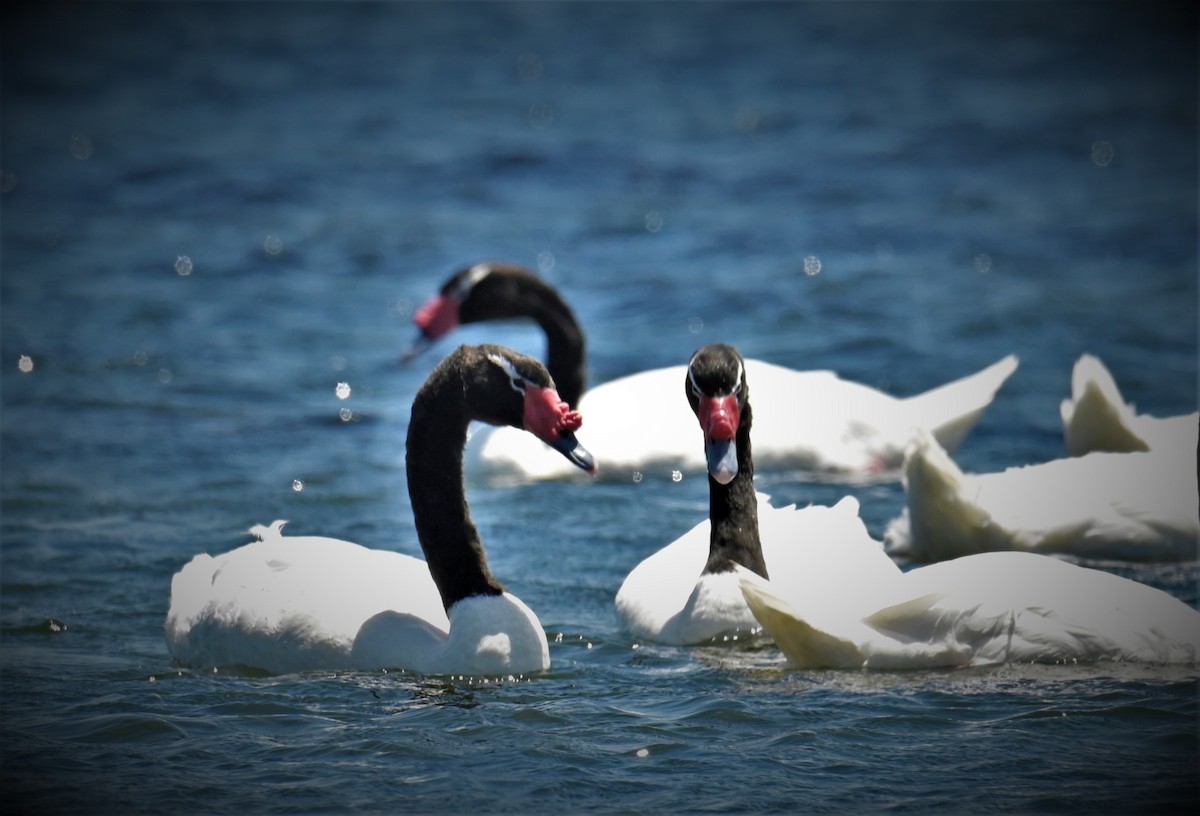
(214, 213)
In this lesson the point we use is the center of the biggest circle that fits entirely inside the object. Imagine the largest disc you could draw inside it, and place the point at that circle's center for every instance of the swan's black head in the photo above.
(508, 388)
(716, 390)
(490, 290)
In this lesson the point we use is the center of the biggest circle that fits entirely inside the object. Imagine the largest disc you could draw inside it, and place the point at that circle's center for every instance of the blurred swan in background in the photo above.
(809, 420)
(1125, 506)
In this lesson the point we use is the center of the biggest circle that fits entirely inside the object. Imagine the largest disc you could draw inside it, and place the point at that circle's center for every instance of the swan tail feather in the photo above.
(1097, 418)
(806, 646)
(945, 519)
(262, 532)
(950, 411)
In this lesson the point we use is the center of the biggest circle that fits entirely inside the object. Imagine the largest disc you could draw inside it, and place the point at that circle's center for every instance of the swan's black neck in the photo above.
(564, 353)
(733, 512)
(437, 433)
(565, 345)
(510, 291)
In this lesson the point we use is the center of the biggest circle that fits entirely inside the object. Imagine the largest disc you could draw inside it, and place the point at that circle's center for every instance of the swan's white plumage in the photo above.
(1130, 506)
(1097, 418)
(286, 604)
(666, 599)
(808, 420)
(991, 608)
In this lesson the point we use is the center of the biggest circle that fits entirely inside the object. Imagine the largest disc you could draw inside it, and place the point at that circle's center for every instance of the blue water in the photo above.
(215, 213)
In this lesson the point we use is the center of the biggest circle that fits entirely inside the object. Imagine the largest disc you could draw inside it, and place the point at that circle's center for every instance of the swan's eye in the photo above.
(515, 380)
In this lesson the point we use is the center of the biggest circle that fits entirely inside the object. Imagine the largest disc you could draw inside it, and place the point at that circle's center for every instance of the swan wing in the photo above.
(816, 420)
(286, 603)
(1105, 505)
(1023, 607)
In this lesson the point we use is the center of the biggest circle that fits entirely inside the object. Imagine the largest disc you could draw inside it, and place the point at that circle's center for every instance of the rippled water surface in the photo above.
(215, 213)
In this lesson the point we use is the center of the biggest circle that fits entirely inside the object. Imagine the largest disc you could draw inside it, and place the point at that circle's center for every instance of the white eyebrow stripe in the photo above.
(474, 275)
(692, 378)
(515, 380)
(737, 387)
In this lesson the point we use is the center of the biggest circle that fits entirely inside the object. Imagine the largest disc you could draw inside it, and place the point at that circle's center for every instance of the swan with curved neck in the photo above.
(286, 604)
(809, 420)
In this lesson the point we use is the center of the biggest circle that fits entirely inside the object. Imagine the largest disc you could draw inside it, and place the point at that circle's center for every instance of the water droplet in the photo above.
(183, 266)
(1102, 153)
(297, 485)
(695, 325)
(637, 476)
(747, 120)
(140, 358)
(541, 114)
(25, 364)
(80, 146)
(529, 67)
(342, 390)
(983, 262)
(676, 476)
(273, 245)
(545, 261)
(643, 753)
(812, 265)
(345, 415)
(164, 375)
(654, 221)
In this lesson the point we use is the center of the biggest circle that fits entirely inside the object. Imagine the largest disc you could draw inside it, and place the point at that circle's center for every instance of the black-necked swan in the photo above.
(286, 604)
(1097, 418)
(1138, 506)
(688, 592)
(809, 421)
(832, 598)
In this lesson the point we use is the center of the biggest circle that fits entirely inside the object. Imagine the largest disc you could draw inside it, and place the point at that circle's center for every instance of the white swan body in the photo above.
(299, 603)
(668, 599)
(287, 604)
(992, 608)
(1097, 418)
(808, 420)
(1126, 506)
